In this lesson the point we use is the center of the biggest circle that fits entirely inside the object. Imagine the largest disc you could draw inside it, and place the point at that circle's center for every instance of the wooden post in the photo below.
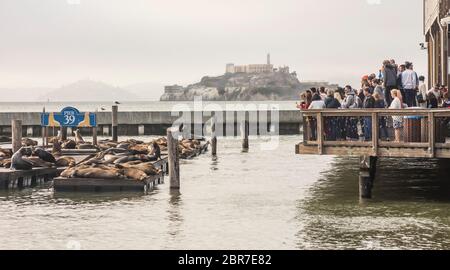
(432, 133)
(375, 133)
(320, 133)
(245, 129)
(174, 163)
(94, 131)
(367, 172)
(213, 136)
(63, 133)
(16, 128)
(44, 132)
(115, 123)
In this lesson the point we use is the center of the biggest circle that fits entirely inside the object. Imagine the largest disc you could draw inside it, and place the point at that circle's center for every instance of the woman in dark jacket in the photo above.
(331, 123)
(380, 104)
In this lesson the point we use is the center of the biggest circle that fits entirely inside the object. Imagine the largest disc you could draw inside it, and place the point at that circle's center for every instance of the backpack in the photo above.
(420, 98)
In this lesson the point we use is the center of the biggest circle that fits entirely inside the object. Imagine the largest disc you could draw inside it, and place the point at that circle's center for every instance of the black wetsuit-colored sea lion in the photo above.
(18, 163)
(44, 155)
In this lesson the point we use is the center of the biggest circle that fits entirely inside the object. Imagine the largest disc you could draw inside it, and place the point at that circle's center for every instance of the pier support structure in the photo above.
(174, 160)
(245, 130)
(213, 136)
(115, 123)
(367, 172)
(16, 128)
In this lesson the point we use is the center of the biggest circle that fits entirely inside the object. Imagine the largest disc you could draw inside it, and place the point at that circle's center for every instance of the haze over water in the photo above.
(255, 200)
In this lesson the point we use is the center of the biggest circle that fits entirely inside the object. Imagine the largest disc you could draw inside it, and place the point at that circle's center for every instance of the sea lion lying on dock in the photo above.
(44, 155)
(69, 144)
(29, 142)
(37, 162)
(147, 167)
(18, 162)
(5, 153)
(5, 163)
(65, 162)
(97, 172)
(133, 173)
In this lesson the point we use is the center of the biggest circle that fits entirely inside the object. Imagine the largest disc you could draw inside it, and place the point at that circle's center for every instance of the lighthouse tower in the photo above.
(268, 58)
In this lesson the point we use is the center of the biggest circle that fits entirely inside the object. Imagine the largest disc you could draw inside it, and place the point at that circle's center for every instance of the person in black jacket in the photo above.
(380, 104)
(331, 123)
(369, 103)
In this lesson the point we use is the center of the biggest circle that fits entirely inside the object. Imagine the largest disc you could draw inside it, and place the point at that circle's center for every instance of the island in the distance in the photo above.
(258, 82)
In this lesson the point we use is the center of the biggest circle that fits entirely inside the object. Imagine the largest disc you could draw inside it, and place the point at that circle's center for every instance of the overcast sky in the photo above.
(47, 43)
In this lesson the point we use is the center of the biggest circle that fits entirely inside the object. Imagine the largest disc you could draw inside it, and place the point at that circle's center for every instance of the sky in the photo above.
(49, 43)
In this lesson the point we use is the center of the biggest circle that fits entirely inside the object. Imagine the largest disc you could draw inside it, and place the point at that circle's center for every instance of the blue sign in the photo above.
(68, 117)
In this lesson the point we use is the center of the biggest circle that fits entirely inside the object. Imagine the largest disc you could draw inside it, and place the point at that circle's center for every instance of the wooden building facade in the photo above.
(436, 30)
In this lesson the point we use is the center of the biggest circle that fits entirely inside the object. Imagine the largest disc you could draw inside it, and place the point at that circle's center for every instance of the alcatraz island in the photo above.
(255, 82)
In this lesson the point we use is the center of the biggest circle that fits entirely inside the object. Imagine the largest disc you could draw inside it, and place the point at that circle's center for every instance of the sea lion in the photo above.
(17, 161)
(69, 144)
(37, 162)
(56, 148)
(5, 153)
(140, 148)
(44, 155)
(86, 146)
(6, 163)
(126, 159)
(110, 173)
(155, 151)
(65, 162)
(78, 138)
(133, 173)
(147, 168)
(29, 142)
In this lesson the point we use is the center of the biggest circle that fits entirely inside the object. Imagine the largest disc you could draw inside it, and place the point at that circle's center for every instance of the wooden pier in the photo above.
(423, 133)
(10, 179)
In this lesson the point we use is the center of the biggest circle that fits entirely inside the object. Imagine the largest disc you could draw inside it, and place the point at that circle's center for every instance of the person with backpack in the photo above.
(351, 101)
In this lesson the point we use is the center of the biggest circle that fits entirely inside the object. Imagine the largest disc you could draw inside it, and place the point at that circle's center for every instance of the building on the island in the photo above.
(173, 89)
(256, 68)
(436, 29)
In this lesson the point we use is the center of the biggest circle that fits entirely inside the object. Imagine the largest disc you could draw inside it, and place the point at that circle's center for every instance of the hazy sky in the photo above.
(47, 43)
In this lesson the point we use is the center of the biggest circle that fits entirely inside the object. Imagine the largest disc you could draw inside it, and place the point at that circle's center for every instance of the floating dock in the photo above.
(61, 184)
(13, 179)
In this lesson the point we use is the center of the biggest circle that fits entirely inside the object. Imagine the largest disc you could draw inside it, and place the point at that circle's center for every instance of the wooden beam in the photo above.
(375, 133)
(320, 133)
(432, 133)
(174, 161)
(16, 129)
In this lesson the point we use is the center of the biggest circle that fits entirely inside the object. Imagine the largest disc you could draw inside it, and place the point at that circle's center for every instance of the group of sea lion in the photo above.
(131, 159)
(27, 158)
(77, 143)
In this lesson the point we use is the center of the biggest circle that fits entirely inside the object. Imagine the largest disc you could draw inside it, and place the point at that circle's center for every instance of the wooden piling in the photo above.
(63, 133)
(16, 128)
(245, 129)
(367, 172)
(44, 133)
(174, 163)
(213, 136)
(115, 123)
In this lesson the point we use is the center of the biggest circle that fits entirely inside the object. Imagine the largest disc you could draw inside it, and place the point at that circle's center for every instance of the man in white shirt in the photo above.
(410, 83)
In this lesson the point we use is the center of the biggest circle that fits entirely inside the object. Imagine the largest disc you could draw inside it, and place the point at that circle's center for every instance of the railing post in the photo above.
(115, 123)
(173, 160)
(213, 135)
(375, 133)
(432, 134)
(320, 132)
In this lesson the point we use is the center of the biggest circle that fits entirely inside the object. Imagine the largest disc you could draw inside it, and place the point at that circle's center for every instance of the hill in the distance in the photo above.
(88, 90)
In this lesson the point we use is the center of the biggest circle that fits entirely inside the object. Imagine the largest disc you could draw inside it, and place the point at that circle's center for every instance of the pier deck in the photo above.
(425, 133)
(374, 133)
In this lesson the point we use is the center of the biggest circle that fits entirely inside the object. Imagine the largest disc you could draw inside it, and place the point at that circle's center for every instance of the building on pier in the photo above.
(436, 29)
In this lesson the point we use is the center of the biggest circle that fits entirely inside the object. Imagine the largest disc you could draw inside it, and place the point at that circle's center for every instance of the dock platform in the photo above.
(12, 179)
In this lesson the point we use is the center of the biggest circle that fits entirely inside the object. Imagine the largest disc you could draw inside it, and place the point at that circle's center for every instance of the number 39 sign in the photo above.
(68, 117)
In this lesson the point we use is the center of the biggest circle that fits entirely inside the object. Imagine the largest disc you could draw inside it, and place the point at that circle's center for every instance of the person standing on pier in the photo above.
(410, 84)
(397, 104)
(380, 104)
(389, 73)
(351, 101)
(401, 69)
(331, 123)
(422, 94)
(369, 103)
(378, 89)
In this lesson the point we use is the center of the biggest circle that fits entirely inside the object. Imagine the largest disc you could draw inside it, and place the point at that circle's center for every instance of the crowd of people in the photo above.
(394, 87)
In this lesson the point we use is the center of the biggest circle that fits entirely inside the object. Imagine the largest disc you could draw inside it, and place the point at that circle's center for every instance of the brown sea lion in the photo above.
(29, 142)
(56, 148)
(133, 173)
(5, 153)
(65, 162)
(86, 146)
(78, 138)
(147, 168)
(140, 148)
(6, 163)
(93, 172)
